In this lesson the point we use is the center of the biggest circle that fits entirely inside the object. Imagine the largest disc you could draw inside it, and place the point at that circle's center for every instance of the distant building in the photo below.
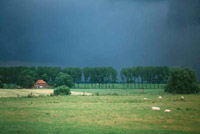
(40, 84)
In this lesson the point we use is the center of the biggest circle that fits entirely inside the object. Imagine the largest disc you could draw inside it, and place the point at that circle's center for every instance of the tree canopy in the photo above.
(64, 79)
(182, 81)
(27, 78)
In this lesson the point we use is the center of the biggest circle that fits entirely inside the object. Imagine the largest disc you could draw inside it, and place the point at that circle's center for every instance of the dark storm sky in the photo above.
(116, 33)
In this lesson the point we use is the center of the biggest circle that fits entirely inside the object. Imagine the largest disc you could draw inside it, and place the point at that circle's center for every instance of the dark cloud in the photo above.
(183, 13)
(100, 32)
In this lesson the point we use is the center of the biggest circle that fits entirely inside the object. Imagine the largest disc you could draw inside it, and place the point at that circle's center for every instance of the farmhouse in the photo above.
(40, 84)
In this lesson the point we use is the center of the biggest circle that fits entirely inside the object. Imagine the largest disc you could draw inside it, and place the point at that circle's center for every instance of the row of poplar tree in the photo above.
(150, 74)
(100, 75)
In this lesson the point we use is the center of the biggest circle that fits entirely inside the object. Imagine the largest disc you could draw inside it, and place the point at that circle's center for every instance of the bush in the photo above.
(64, 79)
(62, 90)
(182, 81)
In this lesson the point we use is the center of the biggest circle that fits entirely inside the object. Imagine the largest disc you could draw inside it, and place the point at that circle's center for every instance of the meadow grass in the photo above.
(118, 86)
(122, 92)
(104, 114)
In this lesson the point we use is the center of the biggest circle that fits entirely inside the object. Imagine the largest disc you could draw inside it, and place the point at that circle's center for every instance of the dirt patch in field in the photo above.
(80, 93)
(50, 91)
(42, 91)
(34, 92)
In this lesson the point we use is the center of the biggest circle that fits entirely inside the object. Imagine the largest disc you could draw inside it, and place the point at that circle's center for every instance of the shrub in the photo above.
(182, 81)
(62, 90)
(97, 93)
(30, 95)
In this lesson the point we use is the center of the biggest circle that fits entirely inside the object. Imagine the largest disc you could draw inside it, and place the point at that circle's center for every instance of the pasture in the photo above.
(118, 86)
(113, 111)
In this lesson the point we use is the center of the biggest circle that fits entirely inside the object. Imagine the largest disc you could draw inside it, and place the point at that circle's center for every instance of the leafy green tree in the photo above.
(122, 75)
(75, 73)
(113, 76)
(64, 79)
(107, 75)
(147, 74)
(86, 74)
(43, 70)
(10, 74)
(27, 78)
(1, 84)
(45, 78)
(182, 81)
(165, 74)
(78, 75)
(129, 76)
(53, 72)
(140, 73)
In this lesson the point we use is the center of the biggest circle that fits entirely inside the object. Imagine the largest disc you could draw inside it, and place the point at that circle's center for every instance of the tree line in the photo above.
(177, 80)
(26, 76)
(139, 74)
(100, 76)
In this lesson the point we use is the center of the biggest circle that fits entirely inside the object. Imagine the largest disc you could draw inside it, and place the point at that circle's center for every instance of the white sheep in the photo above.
(155, 108)
(160, 97)
(167, 110)
(182, 97)
(145, 98)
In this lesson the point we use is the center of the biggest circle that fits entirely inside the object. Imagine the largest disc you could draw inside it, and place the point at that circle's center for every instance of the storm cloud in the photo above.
(116, 33)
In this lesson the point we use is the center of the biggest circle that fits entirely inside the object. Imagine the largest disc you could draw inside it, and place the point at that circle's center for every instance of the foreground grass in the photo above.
(100, 114)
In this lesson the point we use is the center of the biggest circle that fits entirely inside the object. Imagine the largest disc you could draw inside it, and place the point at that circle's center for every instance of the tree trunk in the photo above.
(131, 85)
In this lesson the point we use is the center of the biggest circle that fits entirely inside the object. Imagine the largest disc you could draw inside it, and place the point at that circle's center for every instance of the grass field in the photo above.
(112, 112)
(122, 92)
(119, 86)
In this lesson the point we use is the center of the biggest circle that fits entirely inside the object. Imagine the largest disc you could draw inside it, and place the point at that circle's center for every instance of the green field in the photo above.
(119, 86)
(112, 112)
(122, 92)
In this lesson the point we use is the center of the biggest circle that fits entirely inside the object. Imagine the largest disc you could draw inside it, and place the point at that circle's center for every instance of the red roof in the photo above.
(40, 82)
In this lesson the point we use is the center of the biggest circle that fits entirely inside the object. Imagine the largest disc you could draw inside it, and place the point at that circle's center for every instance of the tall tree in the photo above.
(113, 76)
(27, 78)
(86, 74)
(122, 72)
(140, 72)
(64, 79)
